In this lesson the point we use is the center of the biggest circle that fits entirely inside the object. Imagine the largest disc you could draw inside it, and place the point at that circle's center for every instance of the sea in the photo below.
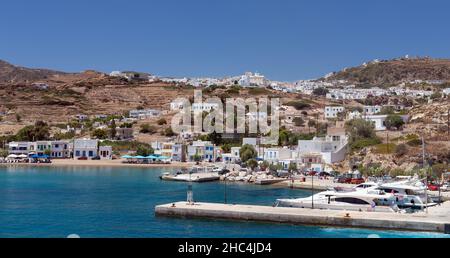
(110, 202)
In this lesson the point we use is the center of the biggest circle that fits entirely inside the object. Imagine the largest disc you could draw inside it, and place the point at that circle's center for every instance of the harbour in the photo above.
(116, 201)
(437, 220)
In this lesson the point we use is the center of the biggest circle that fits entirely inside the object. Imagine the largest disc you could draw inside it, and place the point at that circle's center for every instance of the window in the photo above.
(91, 153)
(77, 153)
(350, 200)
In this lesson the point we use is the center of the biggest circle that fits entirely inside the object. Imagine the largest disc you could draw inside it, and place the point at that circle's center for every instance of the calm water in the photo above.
(119, 202)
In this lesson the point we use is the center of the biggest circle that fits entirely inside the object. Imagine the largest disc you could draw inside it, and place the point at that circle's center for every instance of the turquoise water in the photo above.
(119, 202)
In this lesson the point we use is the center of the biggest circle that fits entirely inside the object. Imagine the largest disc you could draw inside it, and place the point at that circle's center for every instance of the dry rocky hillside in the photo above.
(91, 93)
(393, 72)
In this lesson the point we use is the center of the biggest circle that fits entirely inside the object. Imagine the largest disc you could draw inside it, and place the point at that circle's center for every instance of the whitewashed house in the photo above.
(18, 148)
(105, 152)
(144, 113)
(331, 148)
(333, 111)
(203, 149)
(446, 91)
(371, 110)
(379, 121)
(85, 148)
(233, 156)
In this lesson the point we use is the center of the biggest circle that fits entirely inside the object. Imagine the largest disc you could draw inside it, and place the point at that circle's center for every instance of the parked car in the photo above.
(312, 173)
(445, 187)
(324, 174)
(433, 187)
(343, 180)
(82, 158)
(96, 158)
(357, 181)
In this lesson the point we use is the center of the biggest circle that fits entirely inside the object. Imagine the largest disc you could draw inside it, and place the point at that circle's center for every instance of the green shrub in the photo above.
(299, 105)
(414, 142)
(366, 142)
(401, 150)
(146, 128)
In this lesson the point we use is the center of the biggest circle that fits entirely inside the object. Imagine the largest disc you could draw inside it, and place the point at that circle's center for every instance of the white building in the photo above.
(333, 111)
(61, 149)
(250, 79)
(446, 91)
(204, 106)
(331, 148)
(371, 110)
(144, 113)
(233, 156)
(18, 148)
(85, 148)
(256, 116)
(276, 154)
(379, 121)
(40, 85)
(203, 149)
(105, 152)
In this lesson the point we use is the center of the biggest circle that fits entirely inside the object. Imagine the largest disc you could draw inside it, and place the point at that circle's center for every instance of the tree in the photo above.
(113, 130)
(321, 91)
(161, 121)
(394, 121)
(47, 152)
(387, 110)
(252, 163)
(144, 151)
(247, 152)
(311, 123)
(361, 133)
(197, 158)
(264, 165)
(126, 125)
(169, 132)
(292, 167)
(215, 138)
(3, 153)
(100, 134)
(38, 132)
(298, 121)
(226, 148)
(146, 128)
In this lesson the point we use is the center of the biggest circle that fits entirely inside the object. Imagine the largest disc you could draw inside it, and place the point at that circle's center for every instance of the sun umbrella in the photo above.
(127, 157)
(12, 156)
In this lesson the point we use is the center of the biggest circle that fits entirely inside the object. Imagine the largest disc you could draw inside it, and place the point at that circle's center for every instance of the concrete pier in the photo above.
(436, 220)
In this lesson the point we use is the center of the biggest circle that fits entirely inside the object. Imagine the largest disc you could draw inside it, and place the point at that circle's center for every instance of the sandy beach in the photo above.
(100, 163)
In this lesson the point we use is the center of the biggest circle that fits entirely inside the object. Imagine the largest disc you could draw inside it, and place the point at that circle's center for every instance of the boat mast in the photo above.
(426, 175)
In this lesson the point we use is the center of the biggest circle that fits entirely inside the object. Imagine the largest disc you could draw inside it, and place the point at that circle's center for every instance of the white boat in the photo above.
(196, 174)
(372, 201)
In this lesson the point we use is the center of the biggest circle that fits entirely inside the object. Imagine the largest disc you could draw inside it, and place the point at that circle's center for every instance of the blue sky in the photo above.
(283, 39)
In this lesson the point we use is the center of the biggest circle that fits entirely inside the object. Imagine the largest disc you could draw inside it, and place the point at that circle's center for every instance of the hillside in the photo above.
(396, 71)
(16, 74)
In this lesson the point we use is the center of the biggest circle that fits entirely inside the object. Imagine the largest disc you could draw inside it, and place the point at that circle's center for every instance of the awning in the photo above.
(36, 156)
(127, 157)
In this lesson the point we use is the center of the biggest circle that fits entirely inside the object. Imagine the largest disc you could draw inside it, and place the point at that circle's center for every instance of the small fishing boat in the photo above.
(196, 174)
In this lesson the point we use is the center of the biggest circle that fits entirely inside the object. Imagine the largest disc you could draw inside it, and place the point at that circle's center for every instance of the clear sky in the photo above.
(283, 39)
